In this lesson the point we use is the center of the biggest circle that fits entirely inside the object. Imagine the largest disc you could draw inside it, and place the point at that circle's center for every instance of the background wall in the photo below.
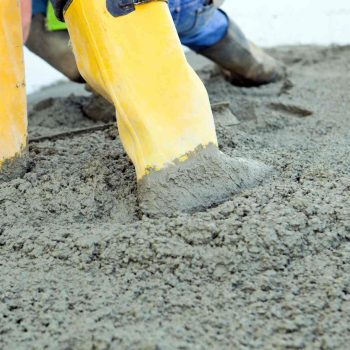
(276, 22)
(267, 22)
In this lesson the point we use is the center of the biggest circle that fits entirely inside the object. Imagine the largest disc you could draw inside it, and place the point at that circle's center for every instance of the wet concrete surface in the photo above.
(82, 268)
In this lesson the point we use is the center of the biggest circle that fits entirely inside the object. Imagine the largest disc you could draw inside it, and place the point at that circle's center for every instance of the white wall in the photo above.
(267, 22)
(276, 22)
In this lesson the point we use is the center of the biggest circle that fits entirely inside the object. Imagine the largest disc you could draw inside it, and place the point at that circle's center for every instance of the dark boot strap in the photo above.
(115, 7)
(119, 8)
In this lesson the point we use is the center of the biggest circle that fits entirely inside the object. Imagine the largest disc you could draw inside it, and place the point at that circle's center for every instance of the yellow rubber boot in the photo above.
(13, 108)
(136, 61)
(164, 116)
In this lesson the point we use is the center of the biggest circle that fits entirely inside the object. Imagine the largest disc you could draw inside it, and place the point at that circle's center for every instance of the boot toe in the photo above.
(207, 178)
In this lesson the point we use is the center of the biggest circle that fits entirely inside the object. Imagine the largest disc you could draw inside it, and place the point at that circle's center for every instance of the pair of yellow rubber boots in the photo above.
(164, 117)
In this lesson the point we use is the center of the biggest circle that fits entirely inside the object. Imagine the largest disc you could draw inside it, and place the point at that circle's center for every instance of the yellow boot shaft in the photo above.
(137, 62)
(13, 109)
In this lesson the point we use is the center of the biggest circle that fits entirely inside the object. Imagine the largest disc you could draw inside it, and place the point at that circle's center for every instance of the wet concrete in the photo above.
(82, 268)
(15, 167)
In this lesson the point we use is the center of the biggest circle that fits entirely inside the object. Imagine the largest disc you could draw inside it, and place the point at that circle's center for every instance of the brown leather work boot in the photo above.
(53, 47)
(243, 61)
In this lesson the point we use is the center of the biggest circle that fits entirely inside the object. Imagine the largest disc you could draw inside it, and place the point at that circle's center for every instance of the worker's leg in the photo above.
(136, 61)
(164, 116)
(53, 47)
(208, 31)
(13, 118)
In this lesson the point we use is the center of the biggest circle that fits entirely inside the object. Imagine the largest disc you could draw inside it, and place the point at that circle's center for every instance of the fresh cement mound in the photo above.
(81, 268)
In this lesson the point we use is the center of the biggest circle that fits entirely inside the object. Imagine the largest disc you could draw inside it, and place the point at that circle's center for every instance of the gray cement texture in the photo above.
(82, 268)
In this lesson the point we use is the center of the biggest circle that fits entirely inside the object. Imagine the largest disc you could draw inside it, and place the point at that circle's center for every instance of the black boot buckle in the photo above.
(119, 8)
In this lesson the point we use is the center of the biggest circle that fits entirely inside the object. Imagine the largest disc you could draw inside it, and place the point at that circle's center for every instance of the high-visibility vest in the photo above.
(53, 23)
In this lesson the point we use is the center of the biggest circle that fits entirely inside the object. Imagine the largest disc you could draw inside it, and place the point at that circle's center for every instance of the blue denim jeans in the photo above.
(39, 6)
(198, 24)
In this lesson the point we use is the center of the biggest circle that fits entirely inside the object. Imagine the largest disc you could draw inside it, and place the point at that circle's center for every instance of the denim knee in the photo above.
(199, 23)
